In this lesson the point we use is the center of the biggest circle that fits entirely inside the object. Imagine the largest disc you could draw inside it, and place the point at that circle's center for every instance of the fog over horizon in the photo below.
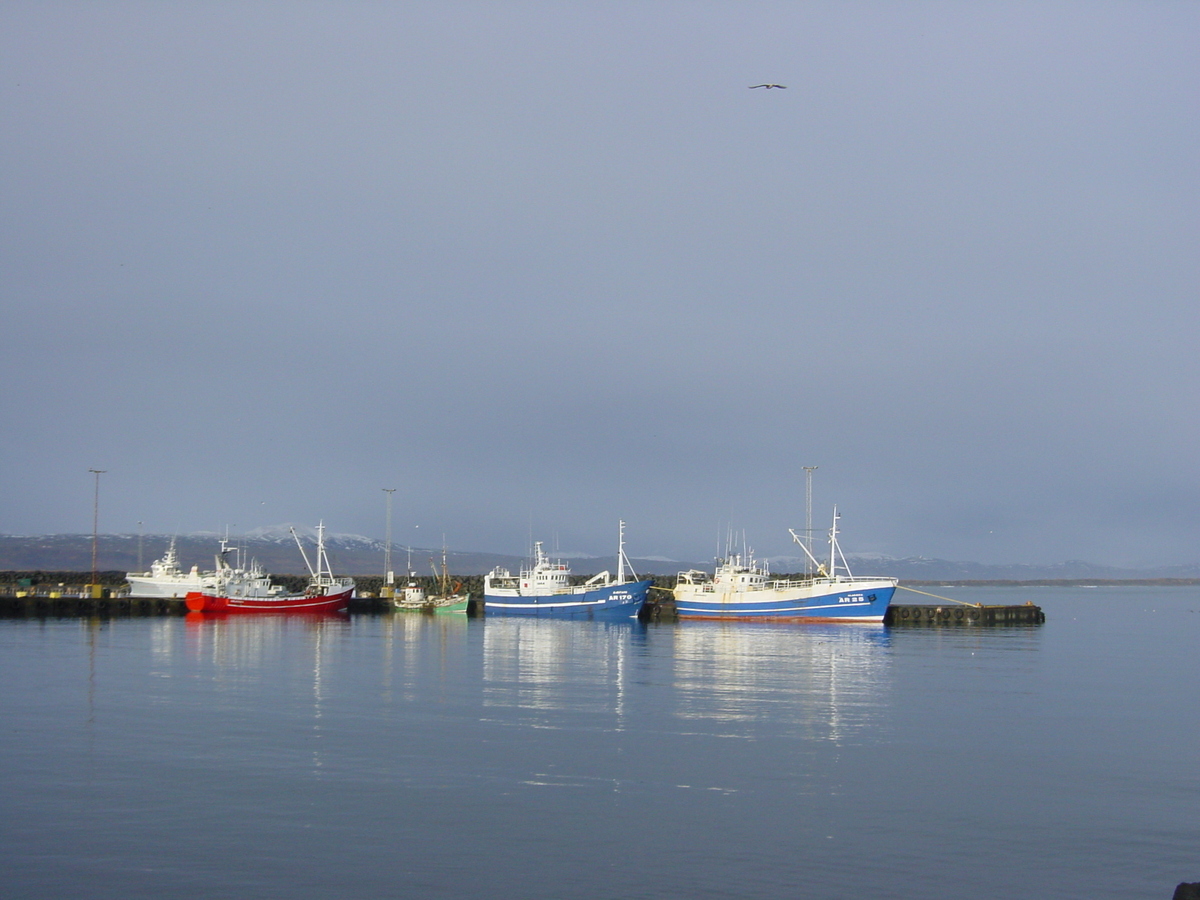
(544, 267)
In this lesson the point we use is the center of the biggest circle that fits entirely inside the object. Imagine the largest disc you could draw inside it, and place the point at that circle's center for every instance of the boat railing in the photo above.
(783, 584)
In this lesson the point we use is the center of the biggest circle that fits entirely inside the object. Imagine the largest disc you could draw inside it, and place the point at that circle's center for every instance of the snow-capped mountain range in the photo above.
(353, 554)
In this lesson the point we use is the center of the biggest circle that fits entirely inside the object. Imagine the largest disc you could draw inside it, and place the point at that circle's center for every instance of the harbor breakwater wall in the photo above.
(77, 604)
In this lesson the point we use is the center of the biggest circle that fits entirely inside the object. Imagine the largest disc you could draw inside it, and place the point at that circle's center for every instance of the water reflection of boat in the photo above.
(300, 649)
(741, 588)
(237, 641)
(823, 679)
(540, 663)
(544, 589)
(252, 591)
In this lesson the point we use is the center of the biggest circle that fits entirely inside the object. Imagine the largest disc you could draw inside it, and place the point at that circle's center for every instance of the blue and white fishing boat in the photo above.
(741, 588)
(545, 589)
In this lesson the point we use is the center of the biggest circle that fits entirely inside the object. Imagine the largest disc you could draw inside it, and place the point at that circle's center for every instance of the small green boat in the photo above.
(414, 599)
(455, 603)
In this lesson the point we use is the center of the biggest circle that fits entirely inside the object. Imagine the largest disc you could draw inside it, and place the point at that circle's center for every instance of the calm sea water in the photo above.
(380, 756)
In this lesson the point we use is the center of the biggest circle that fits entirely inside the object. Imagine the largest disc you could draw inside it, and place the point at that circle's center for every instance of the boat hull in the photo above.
(863, 600)
(459, 606)
(435, 606)
(149, 587)
(611, 602)
(290, 603)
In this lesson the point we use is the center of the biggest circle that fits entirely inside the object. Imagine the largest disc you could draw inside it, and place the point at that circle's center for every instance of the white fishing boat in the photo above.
(412, 597)
(166, 579)
(742, 588)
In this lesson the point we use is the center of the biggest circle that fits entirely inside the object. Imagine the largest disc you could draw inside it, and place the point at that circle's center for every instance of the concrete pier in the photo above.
(958, 614)
(658, 610)
(60, 605)
(662, 609)
(75, 604)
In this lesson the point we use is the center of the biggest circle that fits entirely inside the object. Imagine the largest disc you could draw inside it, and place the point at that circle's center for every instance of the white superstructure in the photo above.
(166, 580)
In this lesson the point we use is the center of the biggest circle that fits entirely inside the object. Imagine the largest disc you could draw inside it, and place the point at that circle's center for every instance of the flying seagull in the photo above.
(768, 86)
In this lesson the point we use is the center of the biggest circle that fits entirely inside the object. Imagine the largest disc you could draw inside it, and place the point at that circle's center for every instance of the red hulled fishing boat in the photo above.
(251, 591)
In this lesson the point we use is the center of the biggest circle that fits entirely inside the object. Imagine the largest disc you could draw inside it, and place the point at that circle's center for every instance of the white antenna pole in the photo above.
(833, 546)
(808, 470)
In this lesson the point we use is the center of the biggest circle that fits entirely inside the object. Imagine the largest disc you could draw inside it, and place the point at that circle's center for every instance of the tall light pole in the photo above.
(808, 470)
(95, 528)
(388, 574)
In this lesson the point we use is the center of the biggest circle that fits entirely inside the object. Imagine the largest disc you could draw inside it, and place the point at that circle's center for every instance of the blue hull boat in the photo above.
(618, 601)
(740, 588)
(545, 589)
(863, 600)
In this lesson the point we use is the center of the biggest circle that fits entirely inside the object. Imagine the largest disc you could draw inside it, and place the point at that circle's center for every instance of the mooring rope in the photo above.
(936, 597)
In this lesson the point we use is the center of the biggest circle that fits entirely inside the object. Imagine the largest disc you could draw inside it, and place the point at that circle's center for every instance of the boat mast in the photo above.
(623, 560)
(621, 553)
(833, 546)
(323, 567)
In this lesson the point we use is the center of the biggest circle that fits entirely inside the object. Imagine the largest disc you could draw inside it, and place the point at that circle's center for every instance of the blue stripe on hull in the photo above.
(862, 605)
(618, 601)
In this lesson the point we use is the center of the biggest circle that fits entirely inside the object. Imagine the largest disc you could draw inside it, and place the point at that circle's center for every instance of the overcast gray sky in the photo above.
(541, 266)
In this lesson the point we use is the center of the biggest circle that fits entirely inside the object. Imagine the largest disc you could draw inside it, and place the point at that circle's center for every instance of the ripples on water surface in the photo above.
(376, 757)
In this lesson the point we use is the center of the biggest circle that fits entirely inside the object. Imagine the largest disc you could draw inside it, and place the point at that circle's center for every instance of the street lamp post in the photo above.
(389, 576)
(94, 587)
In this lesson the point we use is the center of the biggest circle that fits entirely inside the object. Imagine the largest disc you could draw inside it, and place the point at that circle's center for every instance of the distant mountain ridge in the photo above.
(918, 568)
(352, 554)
